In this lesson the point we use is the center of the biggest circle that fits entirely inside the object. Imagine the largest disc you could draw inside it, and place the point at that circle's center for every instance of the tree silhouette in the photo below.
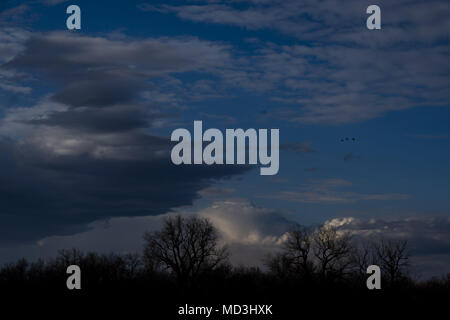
(298, 247)
(363, 256)
(324, 253)
(392, 256)
(393, 259)
(186, 246)
(333, 251)
(312, 266)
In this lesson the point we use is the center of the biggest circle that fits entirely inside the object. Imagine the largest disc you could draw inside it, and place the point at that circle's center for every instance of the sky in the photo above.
(86, 117)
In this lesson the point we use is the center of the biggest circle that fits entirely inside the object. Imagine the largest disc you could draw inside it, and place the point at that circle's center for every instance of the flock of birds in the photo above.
(347, 139)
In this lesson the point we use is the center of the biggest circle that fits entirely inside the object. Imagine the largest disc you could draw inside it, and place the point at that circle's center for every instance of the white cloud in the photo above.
(240, 221)
(428, 238)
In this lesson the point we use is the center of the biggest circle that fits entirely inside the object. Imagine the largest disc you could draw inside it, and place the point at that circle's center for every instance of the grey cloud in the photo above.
(428, 239)
(63, 55)
(322, 20)
(11, 42)
(357, 90)
(85, 153)
(361, 86)
(98, 71)
(213, 192)
(15, 15)
(340, 77)
(55, 194)
(222, 14)
(15, 88)
(113, 119)
(98, 93)
(426, 236)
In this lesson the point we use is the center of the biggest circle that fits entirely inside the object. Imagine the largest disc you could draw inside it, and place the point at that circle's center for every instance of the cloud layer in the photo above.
(337, 72)
(251, 232)
(85, 151)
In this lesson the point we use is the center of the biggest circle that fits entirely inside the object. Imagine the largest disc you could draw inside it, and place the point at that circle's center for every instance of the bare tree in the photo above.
(393, 259)
(132, 263)
(67, 257)
(333, 251)
(280, 265)
(324, 252)
(363, 256)
(186, 246)
(298, 250)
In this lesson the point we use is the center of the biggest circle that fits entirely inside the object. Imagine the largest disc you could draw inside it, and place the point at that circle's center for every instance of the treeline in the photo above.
(184, 262)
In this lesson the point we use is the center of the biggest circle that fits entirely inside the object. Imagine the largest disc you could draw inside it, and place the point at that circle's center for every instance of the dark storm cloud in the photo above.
(44, 195)
(98, 93)
(97, 71)
(126, 77)
(120, 77)
(85, 153)
(113, 119)
(71, 56)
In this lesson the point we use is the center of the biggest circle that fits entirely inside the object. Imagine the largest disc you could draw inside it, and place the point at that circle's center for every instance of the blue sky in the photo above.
(309, 68)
